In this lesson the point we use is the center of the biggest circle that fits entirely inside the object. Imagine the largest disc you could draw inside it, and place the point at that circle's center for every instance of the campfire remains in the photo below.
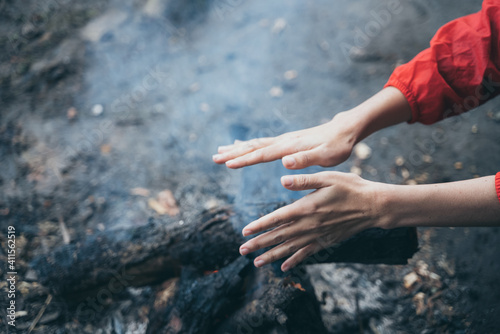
(202, 284)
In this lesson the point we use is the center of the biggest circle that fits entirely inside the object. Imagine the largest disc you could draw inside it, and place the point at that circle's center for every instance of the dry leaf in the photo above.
(164, 204)
(410, 279)
(155, 205)
(419, 302)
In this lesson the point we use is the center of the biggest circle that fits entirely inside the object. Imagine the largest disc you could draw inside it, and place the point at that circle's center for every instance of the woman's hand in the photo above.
(342, 205)
(325, 145)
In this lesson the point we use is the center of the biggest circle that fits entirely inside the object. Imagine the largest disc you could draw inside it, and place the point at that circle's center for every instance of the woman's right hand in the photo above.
(325, 145)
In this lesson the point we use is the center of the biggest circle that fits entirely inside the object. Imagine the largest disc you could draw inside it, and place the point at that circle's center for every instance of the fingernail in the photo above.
(285, 267)
(244, 251)
(288, 161)
(246, 232)
(216, 156)
(230, 163)
(287, 181)
(259, 263)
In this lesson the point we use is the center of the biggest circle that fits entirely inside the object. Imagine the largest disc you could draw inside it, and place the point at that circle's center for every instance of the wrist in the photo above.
(351, 124)
(388, 203)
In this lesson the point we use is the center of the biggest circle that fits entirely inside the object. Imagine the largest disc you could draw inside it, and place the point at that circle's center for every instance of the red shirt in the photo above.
(460, 70)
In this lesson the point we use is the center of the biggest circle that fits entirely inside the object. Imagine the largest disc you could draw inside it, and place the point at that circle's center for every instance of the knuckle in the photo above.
(302, 180)
(257, 155)
(271, 257)
(305, 159)
(292, 248)
(278, 238)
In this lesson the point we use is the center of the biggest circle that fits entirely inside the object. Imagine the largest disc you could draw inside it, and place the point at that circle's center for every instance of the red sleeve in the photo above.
(458, 72)
(497, 184)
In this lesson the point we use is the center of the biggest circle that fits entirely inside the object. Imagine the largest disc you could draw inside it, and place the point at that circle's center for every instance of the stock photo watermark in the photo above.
(11, 276)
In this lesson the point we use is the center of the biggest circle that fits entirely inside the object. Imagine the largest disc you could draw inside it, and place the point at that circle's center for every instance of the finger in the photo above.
(306, 181)
(266, 154)
(227, 148)
(282, 250)
(276, 236)
(238, 149)
(300, 256)
(282, 215)
(303, 159)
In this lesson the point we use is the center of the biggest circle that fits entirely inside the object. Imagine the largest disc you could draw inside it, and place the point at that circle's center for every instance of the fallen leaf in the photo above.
(419, 302)
(164, 204)
(410, 279)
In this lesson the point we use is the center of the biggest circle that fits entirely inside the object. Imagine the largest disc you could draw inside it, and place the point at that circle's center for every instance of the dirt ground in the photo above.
(106, 104)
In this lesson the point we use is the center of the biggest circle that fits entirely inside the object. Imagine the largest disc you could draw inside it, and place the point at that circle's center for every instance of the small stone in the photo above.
(276, 91)
(71, 113)
(458, 165)
(279, 25)
(97, 109)
(400, 161)
(474, 128)
(427, 158)
(411, 182)
(204, 107)
(20, 314)
(362, 151)
(405, 173)
(290, 75)
(212, 203)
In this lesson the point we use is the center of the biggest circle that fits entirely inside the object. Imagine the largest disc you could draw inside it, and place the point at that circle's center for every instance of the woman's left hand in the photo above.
(341, 206)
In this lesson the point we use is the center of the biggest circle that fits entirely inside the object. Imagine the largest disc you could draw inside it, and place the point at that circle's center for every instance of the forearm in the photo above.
(464, 203)
(387, 107)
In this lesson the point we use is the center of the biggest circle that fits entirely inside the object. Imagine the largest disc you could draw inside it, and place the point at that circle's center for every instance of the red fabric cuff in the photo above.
(412, 101)
(497, 184)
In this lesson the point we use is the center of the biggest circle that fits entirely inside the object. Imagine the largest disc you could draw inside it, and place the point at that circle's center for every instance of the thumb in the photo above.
(301, 159)
(305, 181)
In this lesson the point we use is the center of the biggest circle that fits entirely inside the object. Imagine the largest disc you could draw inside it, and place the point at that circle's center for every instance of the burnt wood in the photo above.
(208, 241)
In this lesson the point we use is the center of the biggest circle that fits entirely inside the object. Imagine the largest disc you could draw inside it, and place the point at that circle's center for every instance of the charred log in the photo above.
(237, 299)
(159, 250)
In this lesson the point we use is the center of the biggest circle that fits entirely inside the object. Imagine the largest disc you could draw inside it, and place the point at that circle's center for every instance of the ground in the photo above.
(106, 104)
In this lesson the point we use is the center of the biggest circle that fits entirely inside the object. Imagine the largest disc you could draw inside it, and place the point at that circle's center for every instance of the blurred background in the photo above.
(110, 112)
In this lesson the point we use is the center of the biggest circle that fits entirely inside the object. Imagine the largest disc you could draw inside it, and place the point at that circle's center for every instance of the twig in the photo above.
(64, 230)
(39, 315)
